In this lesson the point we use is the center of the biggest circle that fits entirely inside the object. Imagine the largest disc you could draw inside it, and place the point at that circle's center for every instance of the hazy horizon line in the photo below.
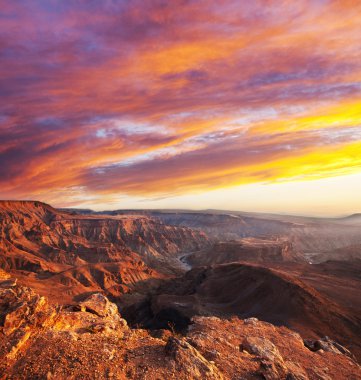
(195, 210)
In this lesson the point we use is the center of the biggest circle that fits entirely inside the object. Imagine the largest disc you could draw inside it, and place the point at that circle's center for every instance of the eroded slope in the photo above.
(251, 291)
(53, 250)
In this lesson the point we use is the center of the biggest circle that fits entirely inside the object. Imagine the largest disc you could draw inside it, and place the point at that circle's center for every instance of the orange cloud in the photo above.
(102, 100)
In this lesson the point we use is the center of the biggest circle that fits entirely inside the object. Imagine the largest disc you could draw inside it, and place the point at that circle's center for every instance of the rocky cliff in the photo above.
(246, 249)
(68, 238)
(50, 249)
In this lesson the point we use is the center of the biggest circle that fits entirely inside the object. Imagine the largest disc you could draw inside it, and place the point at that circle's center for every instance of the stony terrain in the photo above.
(91, 340)
(187, 300)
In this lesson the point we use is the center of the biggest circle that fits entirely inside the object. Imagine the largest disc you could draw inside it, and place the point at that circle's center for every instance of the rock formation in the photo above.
(246, 249)
(65, 276)
(48, 249)
(91, 340)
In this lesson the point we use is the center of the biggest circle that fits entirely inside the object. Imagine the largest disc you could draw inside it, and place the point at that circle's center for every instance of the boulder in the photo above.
(189, 361)
(99, 305)
(22, 314)
(261, 347)
(251, 321)
(328, 345)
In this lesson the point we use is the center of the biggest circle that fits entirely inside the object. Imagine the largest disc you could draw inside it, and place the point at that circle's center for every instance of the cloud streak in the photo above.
(150, 98)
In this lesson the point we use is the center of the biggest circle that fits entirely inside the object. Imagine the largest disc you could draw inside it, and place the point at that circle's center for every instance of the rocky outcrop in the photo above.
(24, 315)
(328, 345)
(21, 313)
(189, 361)
(99, 305)
(261, 347)
(272, 364)
(89, 339)
(266, 351)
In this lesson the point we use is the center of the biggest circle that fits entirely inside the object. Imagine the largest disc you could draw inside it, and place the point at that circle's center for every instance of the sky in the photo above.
(238, 105)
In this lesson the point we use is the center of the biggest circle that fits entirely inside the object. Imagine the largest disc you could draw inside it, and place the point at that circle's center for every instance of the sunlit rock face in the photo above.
(91, 340)
(88, 253)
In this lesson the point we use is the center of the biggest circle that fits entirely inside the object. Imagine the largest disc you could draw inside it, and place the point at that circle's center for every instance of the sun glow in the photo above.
(154, 105)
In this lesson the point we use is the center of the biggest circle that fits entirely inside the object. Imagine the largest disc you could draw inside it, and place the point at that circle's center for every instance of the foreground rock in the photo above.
(329, 345)
(249, 290)
(90, 340)
(189, 361)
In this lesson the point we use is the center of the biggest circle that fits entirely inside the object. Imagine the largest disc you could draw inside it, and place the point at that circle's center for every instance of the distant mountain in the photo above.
(315, 238)
(351, 219)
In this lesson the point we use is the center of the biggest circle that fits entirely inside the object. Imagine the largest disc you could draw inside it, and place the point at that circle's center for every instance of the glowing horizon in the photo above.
(191, 104)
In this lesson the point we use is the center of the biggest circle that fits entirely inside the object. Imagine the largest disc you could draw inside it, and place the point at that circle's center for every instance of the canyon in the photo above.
(163, 292)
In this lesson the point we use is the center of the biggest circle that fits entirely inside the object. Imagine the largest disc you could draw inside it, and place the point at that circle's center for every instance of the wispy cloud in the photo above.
(155, 99)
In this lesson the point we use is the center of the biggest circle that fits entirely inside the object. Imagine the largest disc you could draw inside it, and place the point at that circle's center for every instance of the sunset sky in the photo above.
(244, 105)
